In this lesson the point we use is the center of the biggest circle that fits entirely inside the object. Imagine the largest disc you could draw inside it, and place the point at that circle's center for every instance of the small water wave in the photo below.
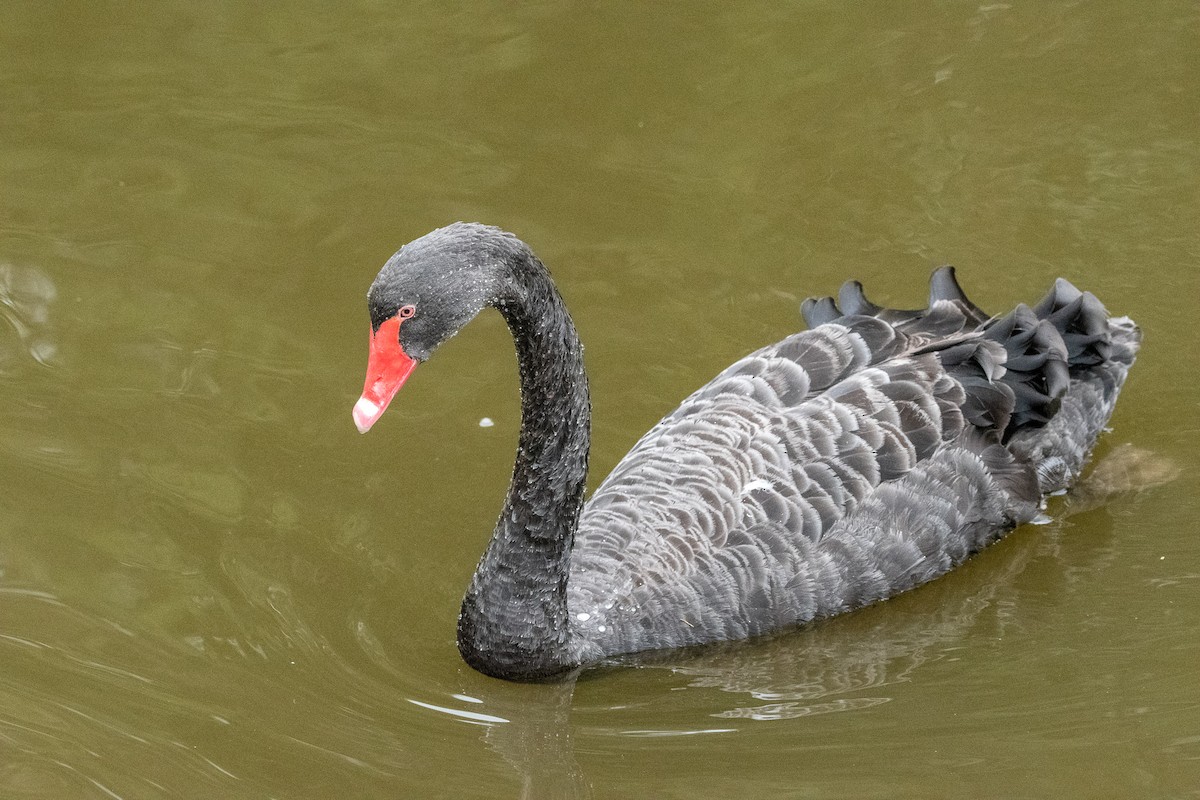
(27, 295)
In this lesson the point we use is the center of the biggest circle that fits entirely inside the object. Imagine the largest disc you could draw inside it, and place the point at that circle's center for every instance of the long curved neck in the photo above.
(514, 621)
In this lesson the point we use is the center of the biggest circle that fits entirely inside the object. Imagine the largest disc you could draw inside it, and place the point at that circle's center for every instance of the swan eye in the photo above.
(406, 311)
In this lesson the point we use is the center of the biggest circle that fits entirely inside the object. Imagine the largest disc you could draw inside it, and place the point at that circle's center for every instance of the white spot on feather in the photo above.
(755, 485)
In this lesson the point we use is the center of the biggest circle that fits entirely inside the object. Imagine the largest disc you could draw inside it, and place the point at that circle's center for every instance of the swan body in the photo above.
(836, 468)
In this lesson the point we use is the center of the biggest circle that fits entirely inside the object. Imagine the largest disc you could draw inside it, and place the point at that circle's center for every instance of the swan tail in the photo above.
(1092, 338)
(1099, 349)
(1020, 369)
(1041, 381)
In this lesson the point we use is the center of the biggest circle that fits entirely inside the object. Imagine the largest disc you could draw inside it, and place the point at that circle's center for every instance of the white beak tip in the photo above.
(365, 413)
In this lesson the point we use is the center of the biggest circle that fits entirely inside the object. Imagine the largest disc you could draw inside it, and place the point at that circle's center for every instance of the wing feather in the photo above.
(842, 465)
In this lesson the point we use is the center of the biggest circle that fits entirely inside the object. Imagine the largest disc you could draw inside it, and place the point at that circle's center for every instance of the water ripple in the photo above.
(26, 297)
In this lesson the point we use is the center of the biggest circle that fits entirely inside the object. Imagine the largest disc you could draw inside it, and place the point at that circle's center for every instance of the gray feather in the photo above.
(841, 466)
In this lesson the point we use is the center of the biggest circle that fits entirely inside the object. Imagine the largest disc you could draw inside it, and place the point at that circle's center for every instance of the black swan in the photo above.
(836, 468)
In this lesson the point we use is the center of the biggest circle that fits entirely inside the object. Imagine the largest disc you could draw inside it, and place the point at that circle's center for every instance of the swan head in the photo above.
(425, 293)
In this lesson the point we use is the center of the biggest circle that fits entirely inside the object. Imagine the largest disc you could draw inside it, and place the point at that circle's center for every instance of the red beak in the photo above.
(388, 366)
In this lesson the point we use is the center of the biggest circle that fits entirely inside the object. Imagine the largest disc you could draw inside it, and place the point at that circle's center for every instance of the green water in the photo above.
(212, 587)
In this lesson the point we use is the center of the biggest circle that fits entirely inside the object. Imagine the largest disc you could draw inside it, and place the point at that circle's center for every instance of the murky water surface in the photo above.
(212, 586)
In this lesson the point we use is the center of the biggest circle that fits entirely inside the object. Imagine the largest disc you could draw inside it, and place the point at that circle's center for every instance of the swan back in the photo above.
(843, 465)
